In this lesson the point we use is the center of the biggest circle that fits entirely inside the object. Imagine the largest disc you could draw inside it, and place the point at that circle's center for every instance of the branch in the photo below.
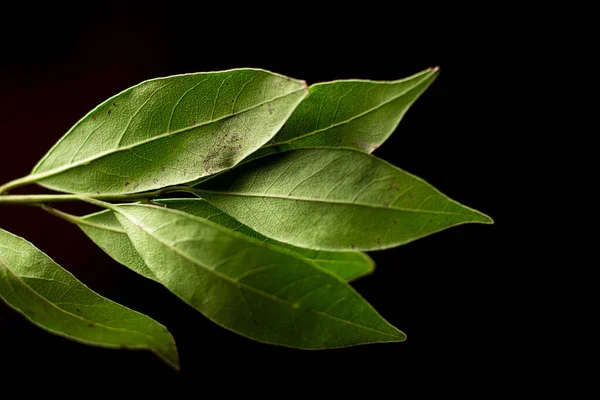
(60, 198)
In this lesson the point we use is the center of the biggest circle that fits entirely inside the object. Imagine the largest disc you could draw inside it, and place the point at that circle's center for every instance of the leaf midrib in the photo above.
(43, 175)
(5, 264)
(308, 199)
(354, 117)
(240, 284)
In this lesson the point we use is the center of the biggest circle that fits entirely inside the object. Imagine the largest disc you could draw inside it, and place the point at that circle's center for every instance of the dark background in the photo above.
(56, 67)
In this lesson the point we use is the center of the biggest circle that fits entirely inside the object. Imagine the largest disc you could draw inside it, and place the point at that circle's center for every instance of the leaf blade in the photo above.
(334, 200)
(357, 114)
(169, 131)
(263, 293)
(347, 265)
(105, 230)
(53, 299)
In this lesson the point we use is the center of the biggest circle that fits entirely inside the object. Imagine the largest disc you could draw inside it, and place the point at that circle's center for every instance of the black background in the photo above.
(56, 66)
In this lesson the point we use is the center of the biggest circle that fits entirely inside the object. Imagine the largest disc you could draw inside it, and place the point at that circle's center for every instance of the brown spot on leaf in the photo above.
(162, 169)
(353, 246)
(386, 205)
(109, 111)
(379, 241)
(127, 183)
(270, 109)
(394, 221)
(115, 104)
(78, 310)
(93, 117)
(90, 325)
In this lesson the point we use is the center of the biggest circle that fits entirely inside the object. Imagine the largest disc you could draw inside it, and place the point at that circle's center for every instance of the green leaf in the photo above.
(248, 286)
(169, 131)
(53, 299)
(356, 114)
(348, 265)
(106, 231)
(334, 199)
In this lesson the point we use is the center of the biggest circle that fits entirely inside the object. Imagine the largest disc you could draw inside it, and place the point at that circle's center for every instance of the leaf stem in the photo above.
(56, 198)
(26, 180)
(62, 215)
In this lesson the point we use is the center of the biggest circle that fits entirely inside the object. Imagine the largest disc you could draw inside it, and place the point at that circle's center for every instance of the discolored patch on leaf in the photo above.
(210, 121)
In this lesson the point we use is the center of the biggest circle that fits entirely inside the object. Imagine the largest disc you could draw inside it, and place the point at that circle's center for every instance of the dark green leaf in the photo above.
(169, 131)
(352, 114)
(334, 199)
(53, 299)
(248, 286)
(106, 231)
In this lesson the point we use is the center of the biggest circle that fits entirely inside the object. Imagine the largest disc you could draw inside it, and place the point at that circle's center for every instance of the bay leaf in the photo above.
(334, 199)
(358, 114)
(169, 131)
(348, 265)
(53, 299)
(106, 231)
(248, 286)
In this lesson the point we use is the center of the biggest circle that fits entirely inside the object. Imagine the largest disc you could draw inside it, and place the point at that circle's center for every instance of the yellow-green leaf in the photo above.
(169, 131)
(248, 286)
(53, 299)
(334, 199)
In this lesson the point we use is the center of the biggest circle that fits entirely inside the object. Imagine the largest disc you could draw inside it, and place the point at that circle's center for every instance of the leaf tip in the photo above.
(305, 88)
(400, 336)
(477, 217)
(172, 358)
(488, 220)
(435, 69)
(482, 218)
